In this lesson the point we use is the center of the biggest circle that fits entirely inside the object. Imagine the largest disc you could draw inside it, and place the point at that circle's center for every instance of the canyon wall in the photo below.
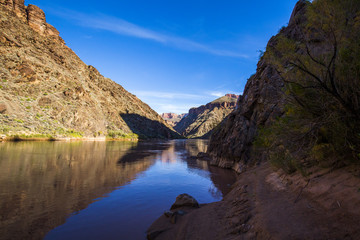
(231, 145)
(200, 121)
(45, 89)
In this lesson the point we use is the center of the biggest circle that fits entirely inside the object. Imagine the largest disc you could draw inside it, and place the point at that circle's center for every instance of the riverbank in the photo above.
(268, 204)
(64, 139)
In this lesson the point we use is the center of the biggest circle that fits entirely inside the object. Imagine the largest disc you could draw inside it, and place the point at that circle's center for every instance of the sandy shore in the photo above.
(265, 204)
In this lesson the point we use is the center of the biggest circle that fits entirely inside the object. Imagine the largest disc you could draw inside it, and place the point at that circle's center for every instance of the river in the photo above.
(99, 190)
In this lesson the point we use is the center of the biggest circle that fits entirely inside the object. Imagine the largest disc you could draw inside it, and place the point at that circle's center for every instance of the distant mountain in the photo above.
(200, 121)
(172, 118)
(46, 90)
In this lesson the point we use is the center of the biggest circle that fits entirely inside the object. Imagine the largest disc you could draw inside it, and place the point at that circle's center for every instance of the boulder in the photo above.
(185, 200)
(2, 108)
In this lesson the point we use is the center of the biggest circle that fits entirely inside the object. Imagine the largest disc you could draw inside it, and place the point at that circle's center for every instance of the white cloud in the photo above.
(172, 101)
(217, 94)
(171, 108)
(166, 95)
(122, 27)
(222, 93)
(164, 102)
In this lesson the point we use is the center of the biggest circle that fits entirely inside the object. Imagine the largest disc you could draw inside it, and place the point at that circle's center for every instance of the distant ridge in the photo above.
(200, 121)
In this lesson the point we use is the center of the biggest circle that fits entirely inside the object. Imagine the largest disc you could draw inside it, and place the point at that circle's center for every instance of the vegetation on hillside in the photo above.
(321, 73)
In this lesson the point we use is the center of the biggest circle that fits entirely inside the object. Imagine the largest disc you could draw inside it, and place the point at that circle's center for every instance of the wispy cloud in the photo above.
(167, 95)
(122, 27)
(217, 94)
(222, 93)
(172, 101)
(173, 108)
(177, 102)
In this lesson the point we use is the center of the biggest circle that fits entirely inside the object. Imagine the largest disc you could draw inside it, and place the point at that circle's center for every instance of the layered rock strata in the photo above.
(172, 119)
(45, 89)
(200, 121)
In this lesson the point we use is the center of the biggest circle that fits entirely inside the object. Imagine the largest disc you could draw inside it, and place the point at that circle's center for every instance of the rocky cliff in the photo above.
(231, 145)
(46, 90)
(265, 202)
(200, 121)
(172, 118)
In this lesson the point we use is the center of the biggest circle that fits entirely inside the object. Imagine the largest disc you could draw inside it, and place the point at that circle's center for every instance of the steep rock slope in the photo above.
(231, 145)
(46, 89)
(200, 122)
(172, 118)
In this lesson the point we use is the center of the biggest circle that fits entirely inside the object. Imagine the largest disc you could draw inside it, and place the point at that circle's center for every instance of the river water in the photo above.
(99, 190)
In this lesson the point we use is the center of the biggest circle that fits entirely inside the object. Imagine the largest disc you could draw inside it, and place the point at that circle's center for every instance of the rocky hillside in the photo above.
(172, 118)
(200, 122)
(46, 90)
(231, 145)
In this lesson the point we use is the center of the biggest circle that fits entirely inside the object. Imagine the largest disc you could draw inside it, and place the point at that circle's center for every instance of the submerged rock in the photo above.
(203, 156)
(172, 218)
(185, 200)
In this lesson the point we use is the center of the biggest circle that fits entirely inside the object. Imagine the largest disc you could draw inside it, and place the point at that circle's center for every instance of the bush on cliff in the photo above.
(321, 73)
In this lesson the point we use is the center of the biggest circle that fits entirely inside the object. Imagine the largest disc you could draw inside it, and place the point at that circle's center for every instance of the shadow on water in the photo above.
(143, 150)
(221, 178)
(42, 183)
(147, 127)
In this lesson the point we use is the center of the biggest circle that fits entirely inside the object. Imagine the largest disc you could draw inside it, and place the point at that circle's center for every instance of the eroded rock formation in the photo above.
(172, 118)
(46, 89)
(200, 121)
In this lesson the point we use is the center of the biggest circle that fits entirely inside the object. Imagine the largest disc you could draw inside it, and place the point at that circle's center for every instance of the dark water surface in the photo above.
(99, 190)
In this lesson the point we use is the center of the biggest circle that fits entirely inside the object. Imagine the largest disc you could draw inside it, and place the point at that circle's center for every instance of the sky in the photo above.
(173, 55)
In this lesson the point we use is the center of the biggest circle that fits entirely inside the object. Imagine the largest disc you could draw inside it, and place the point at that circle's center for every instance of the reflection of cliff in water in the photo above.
(194, 146)
(221, 178)
(164, 150)
(42, 183)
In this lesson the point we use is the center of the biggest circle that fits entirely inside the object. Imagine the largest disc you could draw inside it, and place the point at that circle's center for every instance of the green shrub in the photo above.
(119, 134)
(74, 134)
(320, 70)
(4, 129)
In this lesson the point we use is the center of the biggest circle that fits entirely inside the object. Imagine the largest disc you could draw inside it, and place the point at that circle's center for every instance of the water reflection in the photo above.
(43, 183)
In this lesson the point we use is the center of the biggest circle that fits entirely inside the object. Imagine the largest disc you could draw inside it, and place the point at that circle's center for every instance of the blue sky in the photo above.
(173, 55)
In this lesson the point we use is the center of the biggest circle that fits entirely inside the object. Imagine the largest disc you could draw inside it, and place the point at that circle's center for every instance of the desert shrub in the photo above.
(321, 73)
(119, 134)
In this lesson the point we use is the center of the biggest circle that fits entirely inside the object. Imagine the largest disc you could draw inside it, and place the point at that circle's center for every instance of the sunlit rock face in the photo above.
(172, 118)
(231, 145)
(200, 121)
(47, 89)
